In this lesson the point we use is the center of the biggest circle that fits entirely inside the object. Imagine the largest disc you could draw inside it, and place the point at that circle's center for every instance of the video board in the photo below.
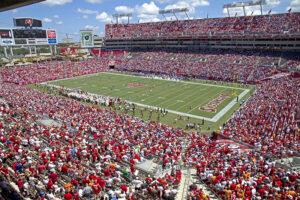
(27, 37)
(27, 22)
(29, 33)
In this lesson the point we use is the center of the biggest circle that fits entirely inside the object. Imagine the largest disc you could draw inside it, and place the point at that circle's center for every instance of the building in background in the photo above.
(67, 40)
(98, 41)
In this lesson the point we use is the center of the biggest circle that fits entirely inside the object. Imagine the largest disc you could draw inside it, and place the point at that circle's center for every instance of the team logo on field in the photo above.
(212, 106)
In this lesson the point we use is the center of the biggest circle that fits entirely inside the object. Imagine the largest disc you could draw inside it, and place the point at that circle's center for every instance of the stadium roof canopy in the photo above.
(11, 4)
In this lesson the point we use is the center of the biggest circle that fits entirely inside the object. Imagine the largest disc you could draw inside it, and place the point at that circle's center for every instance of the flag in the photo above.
(252, 13)
(269, 12)
(290, 10)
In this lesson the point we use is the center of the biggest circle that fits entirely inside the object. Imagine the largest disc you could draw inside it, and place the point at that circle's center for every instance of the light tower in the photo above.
(245, 4)
(117, 16)
(174, 11)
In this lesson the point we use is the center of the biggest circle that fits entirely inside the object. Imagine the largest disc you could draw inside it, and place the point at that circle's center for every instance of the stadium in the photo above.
(184, 109)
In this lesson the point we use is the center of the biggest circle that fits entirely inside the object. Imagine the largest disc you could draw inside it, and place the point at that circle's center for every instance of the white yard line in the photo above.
(216, 118)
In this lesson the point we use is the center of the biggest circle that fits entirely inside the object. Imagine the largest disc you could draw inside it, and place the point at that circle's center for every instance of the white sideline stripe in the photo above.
(229, 106)
(214, 119)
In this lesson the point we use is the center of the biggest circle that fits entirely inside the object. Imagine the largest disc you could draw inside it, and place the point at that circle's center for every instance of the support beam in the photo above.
(175, 16)
(164, 17)
(51, 51)
(11, 51)
(187, 15)
(244, 11)
(55, 50)
(228, 12)
(5, 52)
(30, 51)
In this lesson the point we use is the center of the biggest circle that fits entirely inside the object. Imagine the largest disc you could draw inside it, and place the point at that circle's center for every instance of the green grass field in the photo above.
(179, 98)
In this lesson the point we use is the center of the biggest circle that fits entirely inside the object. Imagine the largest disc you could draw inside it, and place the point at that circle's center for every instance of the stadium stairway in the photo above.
(183, 186)
(195, 180)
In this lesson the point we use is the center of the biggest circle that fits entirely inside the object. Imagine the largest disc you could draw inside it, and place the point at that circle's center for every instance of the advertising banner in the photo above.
(51, 35)
(87, 39)
(7, 42)
(68, 50)
(41, 41)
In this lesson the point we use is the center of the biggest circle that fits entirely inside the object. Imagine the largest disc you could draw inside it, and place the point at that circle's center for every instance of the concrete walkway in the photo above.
(195, 180)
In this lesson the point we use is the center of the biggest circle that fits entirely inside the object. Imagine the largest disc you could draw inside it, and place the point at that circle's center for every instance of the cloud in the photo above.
(94, 1)
(124, 9)
(90, 27)
(190, 4)
(85, 16)
(14, 11)
(59, 22)
(273, 3)
(87, 11)
(295, 5)
(56, 16)
(55, 2)
(164, 1)
(104, 17)
(47, 20)
(147, 12)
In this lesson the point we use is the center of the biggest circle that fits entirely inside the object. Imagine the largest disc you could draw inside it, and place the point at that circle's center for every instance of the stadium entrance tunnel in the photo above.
(111, 67)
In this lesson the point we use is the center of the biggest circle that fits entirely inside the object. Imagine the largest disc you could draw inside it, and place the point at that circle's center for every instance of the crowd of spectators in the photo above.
(250, 66)
(265, 25)
(268, 122)
(51, 70)
(93, 152)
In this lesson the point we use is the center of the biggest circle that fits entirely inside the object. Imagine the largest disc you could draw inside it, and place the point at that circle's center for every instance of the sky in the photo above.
(68, 17)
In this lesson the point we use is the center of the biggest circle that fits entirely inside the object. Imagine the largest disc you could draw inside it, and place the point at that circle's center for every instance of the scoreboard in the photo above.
(27, 22)
(27, 37)
(29, 33)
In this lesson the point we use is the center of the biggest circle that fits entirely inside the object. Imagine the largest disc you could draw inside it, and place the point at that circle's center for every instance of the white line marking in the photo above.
(229, 106)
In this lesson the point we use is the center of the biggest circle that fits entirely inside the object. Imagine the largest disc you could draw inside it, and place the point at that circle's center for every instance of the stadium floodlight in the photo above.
(245, 4)
(128, 15)
(117, 16)
(174, 11)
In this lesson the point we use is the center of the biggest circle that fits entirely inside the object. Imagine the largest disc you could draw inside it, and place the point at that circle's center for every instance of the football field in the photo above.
(196, 99)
